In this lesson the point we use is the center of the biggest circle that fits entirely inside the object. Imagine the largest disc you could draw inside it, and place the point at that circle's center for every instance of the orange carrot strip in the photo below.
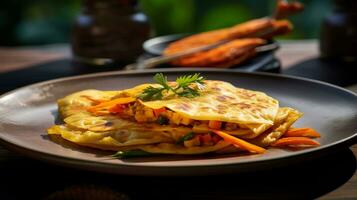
(96, 101)
(302, 132)
(157, 112)
(118, 108)
(239, 142)
(295, 141)
(111, 103)
(213, 124)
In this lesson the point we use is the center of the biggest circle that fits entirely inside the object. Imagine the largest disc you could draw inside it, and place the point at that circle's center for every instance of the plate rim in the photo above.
(63, 160)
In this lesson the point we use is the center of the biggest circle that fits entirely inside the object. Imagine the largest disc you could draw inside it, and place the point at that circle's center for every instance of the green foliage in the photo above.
(223, 16)
(170, 16)
(49, 21)
(36, 21)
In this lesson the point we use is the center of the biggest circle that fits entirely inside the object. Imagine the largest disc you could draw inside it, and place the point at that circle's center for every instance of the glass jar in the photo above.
(338, 38)
(109, 31)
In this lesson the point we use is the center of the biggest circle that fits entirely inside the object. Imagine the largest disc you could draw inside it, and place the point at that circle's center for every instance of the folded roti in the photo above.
(258, 116)
(161, 141)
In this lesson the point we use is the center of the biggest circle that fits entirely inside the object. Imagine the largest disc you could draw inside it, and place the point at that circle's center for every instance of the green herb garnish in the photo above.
(131, 154)
(183, 87)
(162, 120)
(186, 137)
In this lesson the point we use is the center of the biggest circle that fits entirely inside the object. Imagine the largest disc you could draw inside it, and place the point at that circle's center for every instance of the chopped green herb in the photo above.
(186, 137)
(131, 154)
(183, 87)
(151, 93)
(162, 120)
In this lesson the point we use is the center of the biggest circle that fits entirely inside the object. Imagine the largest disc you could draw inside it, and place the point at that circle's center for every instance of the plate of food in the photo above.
(248, 46)
(264, 60)
(174, 122)
(225, 48)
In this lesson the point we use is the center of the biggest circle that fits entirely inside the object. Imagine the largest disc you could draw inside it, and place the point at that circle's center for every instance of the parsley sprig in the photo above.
(183, 87)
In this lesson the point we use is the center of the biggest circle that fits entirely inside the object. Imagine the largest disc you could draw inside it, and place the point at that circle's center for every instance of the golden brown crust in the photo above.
(226, 55)
(280, 27)
(246, 29)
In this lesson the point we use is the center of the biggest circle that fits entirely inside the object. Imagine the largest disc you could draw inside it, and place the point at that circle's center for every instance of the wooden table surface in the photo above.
(290, 53)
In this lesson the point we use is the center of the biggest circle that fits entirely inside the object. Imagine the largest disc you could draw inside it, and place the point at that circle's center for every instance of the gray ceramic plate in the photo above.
(26, 113)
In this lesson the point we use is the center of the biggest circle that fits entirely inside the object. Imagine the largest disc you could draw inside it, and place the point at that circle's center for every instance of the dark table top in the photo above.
(329, 177)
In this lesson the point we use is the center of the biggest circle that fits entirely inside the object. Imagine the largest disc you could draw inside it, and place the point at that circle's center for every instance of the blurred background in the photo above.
(34, 22)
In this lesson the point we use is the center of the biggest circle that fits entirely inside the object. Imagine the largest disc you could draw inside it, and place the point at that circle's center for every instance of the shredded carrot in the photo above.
(157, 112)
(239, 142)
(96, 101)
(295, 142)
(205, 139)
(302, 132)
(111, 103)
(118, 108)
(213, 124)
